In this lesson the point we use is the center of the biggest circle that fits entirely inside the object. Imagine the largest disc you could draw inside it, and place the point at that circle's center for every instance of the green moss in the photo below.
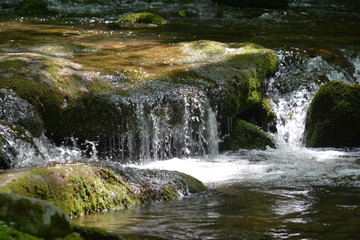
(142, 18)
(245, 135)
(7, 232)
(194, 185)
(333, 116)
(77, 190)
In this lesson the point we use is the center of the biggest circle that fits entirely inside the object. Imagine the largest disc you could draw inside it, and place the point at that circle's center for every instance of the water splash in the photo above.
(293, 87)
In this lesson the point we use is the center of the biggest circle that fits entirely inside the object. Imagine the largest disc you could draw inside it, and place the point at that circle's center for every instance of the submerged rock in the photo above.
(33, 216)
(145, 17)
(333, 117)
(82, 189)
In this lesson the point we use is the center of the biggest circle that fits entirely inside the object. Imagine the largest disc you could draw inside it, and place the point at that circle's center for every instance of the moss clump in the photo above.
(333, 117)
(54, 86)
(245, 135)
(77, 190)
(240, 70)
(194, 185)
(34, 216)
(145, 17)
(8, 232)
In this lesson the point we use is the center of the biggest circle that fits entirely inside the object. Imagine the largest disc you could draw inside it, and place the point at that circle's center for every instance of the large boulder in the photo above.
(33, 216)
(83, 189)
(333, 117)
(159, 97)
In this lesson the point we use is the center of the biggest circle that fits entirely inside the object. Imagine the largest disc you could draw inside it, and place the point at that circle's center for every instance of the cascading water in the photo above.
(164, 129)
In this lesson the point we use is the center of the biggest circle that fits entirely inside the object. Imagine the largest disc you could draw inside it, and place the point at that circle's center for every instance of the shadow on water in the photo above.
(242, 212)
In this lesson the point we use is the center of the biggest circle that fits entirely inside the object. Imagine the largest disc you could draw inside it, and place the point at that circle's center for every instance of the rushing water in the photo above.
(286, 193)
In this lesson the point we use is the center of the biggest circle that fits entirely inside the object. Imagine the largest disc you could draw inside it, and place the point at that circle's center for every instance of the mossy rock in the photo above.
(245, 135)
(333, 117)
(83, 189)
(235, 73)
(8, 232)
(157, 185)
(33, 216)
(77, 190)
(145, 17)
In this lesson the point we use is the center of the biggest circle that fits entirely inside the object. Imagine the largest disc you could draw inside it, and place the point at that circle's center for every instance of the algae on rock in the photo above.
(145, 17)
(34, 216)
(245, 135)
(333, 117)
(77, 190)
(83, 189)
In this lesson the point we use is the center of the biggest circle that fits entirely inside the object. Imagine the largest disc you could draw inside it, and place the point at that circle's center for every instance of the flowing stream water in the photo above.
(290, 192)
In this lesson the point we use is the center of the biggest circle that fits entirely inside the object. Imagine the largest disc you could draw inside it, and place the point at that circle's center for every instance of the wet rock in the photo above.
(245, 135)
(155, 185)
(18, 111)
(34, 216)
(17, 147)
(145, 17)
(333, 117)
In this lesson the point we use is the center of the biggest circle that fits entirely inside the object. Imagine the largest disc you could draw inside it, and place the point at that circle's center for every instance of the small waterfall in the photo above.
(293, 87)
(181, 125)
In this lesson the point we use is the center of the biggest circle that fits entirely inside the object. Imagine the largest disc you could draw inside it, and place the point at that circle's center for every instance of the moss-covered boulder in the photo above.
(245, 135)
(8, 232)
(232, 73)
(333, 117)
(144, 17)
(77, 190)
(175, 87)
(33, 216)
(82, 189)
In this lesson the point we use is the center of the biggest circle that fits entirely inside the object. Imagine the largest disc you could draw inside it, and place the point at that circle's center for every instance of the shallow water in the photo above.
(276, 194)
(288, 193)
